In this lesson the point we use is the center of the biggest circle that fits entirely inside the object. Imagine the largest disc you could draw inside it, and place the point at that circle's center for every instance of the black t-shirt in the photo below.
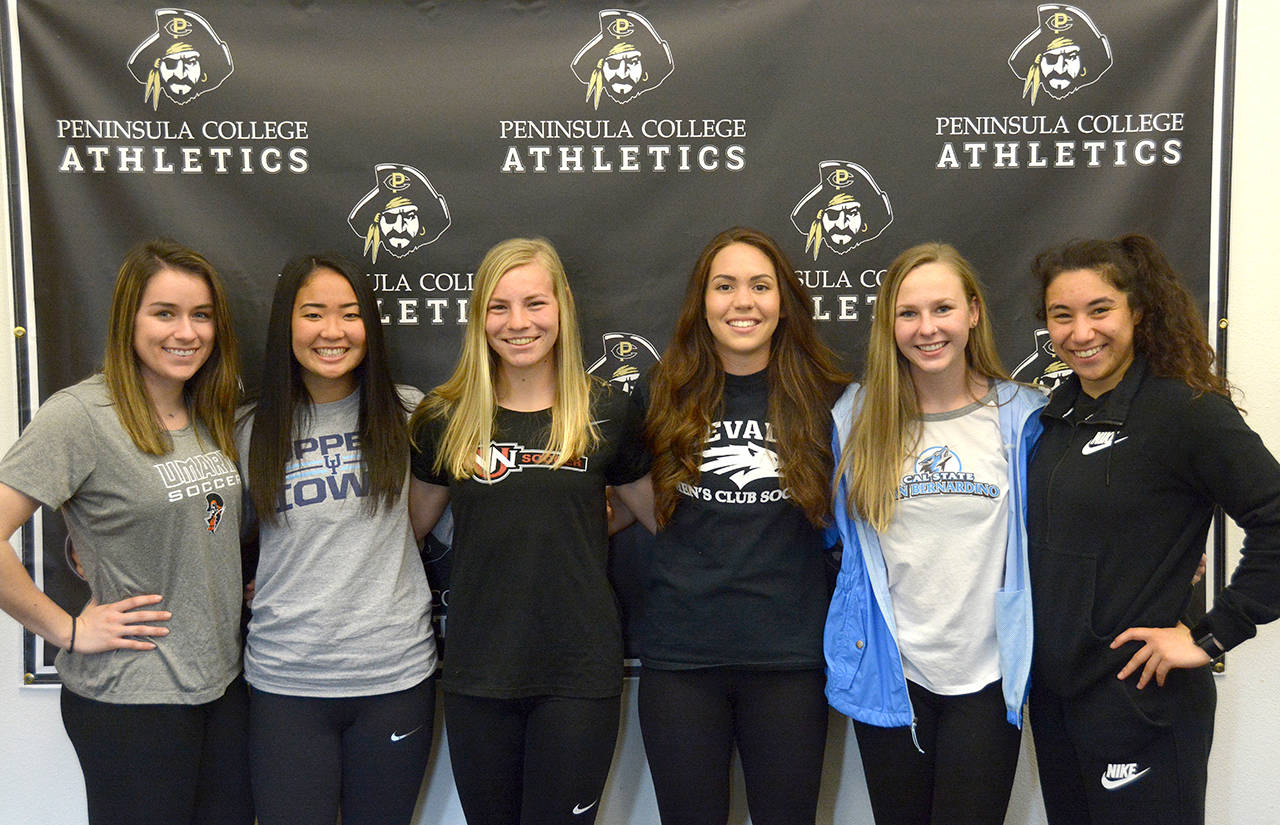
(531, 612)
(737, 577)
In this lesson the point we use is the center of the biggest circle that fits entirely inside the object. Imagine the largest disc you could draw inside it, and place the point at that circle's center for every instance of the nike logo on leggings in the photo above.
(582, 809)
(396, 737)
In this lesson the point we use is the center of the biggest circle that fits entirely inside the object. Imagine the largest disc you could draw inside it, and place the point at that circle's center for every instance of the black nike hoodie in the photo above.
(1120, 495)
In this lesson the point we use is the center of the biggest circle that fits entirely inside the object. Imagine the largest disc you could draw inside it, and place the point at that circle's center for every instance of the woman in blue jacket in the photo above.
(928, 640)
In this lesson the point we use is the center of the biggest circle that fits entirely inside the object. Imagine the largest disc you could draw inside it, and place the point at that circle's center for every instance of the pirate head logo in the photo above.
(401, 213)
(213, 513)
(626, 356)
(1042, 367)
(845, 210)
(183, 59)
(1066, 52)
(625, 60)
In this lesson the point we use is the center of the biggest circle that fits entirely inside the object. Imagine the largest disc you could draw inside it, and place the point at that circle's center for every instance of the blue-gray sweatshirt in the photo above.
(864, 666)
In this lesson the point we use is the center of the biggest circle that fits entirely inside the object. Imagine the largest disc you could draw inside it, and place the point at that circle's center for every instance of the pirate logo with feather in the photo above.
(182, 59)
(625, 60)
(403, 212)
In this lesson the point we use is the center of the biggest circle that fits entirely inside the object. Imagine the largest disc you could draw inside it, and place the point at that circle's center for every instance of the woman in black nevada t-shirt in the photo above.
(739, 426)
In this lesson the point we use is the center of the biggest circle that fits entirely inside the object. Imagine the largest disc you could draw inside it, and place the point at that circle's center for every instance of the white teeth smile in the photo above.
(931, 347)
(1086, 353)
(520, 342)
(181, 353)
(331, 352)
(743, 323)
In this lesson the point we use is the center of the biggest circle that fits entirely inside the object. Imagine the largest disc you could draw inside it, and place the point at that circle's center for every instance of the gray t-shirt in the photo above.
(341, 606)
(141, 524)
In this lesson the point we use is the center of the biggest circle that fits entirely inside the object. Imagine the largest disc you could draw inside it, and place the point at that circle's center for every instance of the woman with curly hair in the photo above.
(740, 432)
(1139, 447)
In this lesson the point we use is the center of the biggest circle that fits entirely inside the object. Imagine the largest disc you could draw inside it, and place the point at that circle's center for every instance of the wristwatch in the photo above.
(1210, 645)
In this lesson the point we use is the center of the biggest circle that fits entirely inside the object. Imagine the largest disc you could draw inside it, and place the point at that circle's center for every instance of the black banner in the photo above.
(414, 136)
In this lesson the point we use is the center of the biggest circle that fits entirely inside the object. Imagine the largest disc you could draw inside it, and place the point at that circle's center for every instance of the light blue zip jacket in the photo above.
(864, 666)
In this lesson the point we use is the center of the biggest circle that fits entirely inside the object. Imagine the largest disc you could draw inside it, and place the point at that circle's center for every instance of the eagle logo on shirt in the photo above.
(743, 463)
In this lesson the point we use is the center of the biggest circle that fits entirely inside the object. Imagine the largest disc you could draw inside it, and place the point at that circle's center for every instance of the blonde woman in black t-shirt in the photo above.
(736, 596)
(521, 443)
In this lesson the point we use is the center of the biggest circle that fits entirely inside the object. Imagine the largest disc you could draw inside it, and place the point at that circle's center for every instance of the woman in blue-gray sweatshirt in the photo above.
(928, 640)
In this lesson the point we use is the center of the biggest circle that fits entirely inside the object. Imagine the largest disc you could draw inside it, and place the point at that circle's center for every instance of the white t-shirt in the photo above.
(945, 550)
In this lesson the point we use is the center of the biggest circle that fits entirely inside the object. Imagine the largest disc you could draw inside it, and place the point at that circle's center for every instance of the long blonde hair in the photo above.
(468, 400)
(884, 430)
(211, 394)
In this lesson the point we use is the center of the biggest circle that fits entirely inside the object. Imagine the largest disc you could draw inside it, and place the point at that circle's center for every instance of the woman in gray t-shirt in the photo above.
(340, 650)
(140, 461)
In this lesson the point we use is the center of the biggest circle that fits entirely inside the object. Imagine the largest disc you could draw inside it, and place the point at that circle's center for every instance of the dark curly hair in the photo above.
(1170, 331)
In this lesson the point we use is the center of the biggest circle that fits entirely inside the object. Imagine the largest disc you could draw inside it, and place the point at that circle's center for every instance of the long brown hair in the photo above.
(211, 394)
(884, 429)
(1170, 331)
(687, 388)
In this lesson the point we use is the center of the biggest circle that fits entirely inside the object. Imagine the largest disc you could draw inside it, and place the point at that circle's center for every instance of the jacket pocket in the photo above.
(1122, 719)
(1064, 586)
(843, 639)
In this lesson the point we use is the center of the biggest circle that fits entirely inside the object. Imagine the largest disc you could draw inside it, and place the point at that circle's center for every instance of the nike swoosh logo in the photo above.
(1091, 448)
(1114, 784)
(601, 421)
(396, 737)
(579, 809)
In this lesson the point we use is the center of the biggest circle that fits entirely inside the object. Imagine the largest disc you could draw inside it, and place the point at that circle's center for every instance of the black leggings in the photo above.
(163, 764)
(965, 774)
(538, 761)
(691, 720)
(364, 754)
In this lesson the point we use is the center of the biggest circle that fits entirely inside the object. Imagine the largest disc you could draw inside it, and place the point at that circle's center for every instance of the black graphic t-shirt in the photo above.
(531, 611)
(737, 574)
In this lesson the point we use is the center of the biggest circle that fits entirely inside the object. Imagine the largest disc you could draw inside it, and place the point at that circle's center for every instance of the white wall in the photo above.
(1243, 786)
(40, 780)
